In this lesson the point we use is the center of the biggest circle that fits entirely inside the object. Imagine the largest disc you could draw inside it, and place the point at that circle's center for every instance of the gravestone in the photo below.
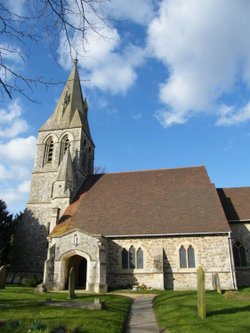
(201, 303)
(216, 283)
(72, 283)
(3, 276)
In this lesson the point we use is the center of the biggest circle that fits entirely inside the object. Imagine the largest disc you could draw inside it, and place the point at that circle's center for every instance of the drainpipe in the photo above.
(231, 261)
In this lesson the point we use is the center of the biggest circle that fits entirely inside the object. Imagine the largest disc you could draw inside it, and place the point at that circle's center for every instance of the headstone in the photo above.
(216, 283)
(201, 303)
(98, 304)
(72, 283)
(40, 288)
(3, 276)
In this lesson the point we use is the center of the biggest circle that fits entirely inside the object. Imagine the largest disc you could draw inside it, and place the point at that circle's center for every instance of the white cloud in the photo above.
(11, 123)
(20, 150)
(206, 49)
(9, 114)
(16, 7)
(100, 56)
(139, 11)
(137, 116)
(24, 187)
(229, 115)
(13, 172)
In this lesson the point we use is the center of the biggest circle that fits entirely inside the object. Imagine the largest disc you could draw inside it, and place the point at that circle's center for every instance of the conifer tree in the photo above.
(7, 227)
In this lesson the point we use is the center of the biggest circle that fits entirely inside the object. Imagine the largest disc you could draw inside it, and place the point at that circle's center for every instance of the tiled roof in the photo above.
(236, 202)
(157, 202)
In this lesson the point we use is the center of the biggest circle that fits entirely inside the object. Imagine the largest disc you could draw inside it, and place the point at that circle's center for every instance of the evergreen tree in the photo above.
(7, 227)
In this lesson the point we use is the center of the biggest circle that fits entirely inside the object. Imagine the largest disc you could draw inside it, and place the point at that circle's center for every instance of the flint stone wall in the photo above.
(161, 262)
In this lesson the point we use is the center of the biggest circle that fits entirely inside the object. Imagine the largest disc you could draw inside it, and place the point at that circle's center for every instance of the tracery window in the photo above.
(139, 258)
(64, 147)
(187, 257)
(183, 257)
(124, 259)
(191, 258)
(132, 259)
(49, 149)
(239, 254)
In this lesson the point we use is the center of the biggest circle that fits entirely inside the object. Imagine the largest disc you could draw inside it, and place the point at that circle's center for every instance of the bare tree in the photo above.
(99, 169)
(37, 19)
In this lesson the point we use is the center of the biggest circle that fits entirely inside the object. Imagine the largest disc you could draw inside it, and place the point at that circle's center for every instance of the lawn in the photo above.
(226, 313)
(25, 311)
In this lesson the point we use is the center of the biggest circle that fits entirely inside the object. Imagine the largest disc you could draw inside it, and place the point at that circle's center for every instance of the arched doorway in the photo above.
(80, 266)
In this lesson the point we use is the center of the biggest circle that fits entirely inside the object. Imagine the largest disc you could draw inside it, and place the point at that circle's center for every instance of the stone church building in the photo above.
(122, 229)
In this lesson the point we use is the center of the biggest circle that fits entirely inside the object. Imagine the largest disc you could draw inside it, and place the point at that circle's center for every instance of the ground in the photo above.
(21, 310)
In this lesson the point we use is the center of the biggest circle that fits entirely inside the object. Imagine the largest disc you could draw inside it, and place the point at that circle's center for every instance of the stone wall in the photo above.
(241, 233)
(162, 266)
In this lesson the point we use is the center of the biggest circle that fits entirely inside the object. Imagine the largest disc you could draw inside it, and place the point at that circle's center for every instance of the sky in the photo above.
(167, 83)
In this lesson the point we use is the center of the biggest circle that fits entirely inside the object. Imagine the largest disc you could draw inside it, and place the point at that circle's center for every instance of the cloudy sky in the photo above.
(168, 85)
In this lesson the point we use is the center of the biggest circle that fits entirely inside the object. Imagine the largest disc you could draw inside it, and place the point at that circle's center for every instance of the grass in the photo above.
(227, 313)
(22, 310)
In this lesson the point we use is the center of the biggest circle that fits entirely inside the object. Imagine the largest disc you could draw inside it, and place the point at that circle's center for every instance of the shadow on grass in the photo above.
(228, 311)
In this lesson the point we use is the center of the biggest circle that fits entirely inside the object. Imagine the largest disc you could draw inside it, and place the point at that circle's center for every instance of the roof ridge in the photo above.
(155, 170)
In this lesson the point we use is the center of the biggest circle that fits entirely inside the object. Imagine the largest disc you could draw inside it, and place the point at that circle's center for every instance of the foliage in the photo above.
(177, 312)
(34, 281)
(28, 309)
(7, 229)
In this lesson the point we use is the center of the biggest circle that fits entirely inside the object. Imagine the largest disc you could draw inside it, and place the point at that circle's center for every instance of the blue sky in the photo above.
(168, 87)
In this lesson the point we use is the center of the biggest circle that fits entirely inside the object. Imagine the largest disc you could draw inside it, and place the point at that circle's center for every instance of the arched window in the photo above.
(191, 258)
(124, 259)
(49, 148)
(139, 258)
(183, 257)
(239, 255)
(132, 257)
(64, 147)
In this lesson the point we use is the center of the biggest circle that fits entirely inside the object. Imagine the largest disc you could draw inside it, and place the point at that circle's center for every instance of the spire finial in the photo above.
(75, 61)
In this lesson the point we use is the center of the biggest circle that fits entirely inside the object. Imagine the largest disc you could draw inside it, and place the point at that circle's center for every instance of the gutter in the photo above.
(231, 261)
(169, 234)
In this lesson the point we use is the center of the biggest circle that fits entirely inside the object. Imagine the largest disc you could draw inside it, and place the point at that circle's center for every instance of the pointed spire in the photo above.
(71, 109)
(66, 172)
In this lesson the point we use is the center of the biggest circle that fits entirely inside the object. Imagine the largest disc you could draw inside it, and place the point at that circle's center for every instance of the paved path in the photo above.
(141, 317)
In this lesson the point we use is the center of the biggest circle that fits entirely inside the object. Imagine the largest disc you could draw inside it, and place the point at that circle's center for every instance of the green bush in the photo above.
(34, 281)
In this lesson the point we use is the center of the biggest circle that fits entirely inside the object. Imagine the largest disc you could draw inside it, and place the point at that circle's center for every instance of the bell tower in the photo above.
(64, 157)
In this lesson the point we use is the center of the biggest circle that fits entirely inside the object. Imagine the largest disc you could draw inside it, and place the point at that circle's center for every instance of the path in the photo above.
(141, 317)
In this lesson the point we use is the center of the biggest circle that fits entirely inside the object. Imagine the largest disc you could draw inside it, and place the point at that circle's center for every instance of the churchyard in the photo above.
(22, 310)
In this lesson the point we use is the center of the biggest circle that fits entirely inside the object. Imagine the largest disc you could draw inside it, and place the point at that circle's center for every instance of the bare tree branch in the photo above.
(54, 18)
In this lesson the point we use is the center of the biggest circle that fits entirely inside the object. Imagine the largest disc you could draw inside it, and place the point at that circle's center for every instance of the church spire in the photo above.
(71, 110)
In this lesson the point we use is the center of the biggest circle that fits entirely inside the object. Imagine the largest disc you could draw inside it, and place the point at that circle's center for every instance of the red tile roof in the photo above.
(236, 202)
(157, 202)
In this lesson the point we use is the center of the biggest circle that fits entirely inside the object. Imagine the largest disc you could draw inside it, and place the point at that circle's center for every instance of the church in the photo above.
(120, 230)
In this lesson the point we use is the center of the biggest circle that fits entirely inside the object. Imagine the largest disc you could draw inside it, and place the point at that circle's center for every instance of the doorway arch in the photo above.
(80, 265)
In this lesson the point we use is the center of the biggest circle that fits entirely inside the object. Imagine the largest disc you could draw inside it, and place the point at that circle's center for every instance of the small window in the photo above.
(139, 258)
(132, 257)
(239, 255)
(49, 149)
(183, 257)
(124, 259)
